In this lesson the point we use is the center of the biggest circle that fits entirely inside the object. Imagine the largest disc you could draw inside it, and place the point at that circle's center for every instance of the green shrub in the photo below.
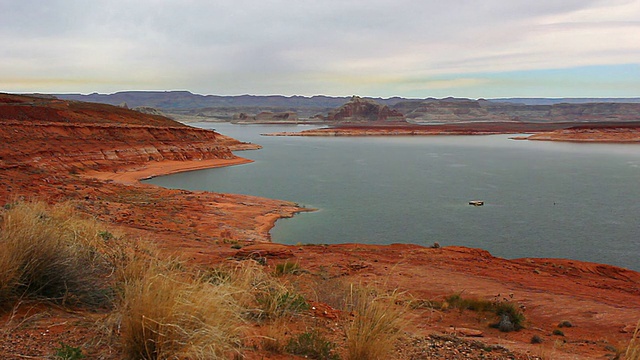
(66, 352)
(512, 311)
(105, 235)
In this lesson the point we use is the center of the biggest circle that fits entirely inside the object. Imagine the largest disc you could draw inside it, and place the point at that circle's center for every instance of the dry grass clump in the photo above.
(274, 338)
(51, 253)
(375, 325)
(261, 296)
(287, 267)
(633, 349)
(167, 312)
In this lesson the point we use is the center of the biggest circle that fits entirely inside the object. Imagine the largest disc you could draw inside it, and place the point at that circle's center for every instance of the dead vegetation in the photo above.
(152, 306)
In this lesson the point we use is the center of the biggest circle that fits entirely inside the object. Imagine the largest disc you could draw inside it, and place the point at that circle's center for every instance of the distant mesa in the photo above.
(364, 110)
(266, 116)
(188, 107)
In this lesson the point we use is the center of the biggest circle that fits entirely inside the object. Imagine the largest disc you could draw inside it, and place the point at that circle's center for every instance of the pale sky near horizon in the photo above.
(409, 48)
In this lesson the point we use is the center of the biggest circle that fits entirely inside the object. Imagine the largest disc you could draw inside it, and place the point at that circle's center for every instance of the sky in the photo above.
(408, 48)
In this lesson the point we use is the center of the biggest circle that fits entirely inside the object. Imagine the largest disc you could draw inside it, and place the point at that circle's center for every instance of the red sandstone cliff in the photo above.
(54, 134)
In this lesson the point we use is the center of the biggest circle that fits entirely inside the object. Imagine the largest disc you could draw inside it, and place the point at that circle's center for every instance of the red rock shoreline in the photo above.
(593, 132)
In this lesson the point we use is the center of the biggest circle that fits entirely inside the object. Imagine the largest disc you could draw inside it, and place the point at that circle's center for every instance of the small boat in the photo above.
(476, 202)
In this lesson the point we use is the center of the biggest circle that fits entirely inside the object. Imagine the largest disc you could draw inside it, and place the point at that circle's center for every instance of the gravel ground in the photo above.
(452, 348)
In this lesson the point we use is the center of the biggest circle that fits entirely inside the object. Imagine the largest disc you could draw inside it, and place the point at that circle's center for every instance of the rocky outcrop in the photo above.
(363, 110)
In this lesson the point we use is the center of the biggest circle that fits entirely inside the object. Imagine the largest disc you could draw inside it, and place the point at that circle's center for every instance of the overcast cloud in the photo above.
(417, 48)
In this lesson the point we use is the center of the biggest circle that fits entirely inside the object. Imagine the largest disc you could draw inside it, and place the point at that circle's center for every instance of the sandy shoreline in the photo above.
(166, 167)
(132, 176)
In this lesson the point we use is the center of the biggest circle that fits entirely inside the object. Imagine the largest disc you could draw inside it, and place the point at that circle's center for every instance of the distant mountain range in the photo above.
(182, 100)
(263, 108)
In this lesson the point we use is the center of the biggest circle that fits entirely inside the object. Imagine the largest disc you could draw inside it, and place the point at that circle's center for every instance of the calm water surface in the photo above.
(542, 199)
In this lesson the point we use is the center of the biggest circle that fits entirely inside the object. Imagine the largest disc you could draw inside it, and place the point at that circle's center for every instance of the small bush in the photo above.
(105, 235)
(536, 339)
(375, 326)
(312, 345)
(507, 309)
(558, 332)
(565, 324)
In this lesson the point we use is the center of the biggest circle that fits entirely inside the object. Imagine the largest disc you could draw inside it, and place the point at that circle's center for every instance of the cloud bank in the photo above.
(380, 48)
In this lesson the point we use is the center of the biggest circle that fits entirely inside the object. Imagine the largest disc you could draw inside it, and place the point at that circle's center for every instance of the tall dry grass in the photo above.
(162, 307)
(52, 253)
(633, 349)
(376, 323)
(167, 312)
(260, 295)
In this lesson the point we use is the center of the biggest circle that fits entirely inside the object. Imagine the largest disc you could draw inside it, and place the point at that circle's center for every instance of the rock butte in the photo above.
(94, 154)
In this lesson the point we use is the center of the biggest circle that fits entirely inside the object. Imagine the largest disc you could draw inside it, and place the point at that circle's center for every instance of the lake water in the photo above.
(542, 199)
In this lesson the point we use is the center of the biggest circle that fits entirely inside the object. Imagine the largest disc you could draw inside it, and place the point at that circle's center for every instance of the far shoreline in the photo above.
(595, 132)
